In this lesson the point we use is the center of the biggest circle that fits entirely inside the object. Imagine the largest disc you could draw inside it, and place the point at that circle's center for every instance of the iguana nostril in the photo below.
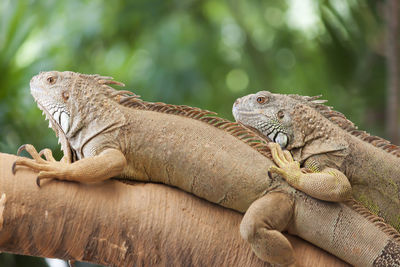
(237, 102)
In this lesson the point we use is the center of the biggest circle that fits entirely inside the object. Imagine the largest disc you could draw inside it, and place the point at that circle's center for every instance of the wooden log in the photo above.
(116, 224)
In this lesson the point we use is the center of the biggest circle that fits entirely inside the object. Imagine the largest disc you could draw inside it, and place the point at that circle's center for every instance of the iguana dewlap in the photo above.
(328, 145)
(108, 133)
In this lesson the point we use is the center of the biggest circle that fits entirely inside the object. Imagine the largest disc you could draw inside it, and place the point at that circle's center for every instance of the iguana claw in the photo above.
(20, 149)
(13, 168)
(31, 150)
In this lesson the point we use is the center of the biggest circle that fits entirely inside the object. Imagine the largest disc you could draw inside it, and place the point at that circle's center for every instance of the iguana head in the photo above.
(72, 102)
(51, 91)
(279, 116)
(268, 113)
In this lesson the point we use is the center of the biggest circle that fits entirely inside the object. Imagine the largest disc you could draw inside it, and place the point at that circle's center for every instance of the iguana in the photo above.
(327, 145)
(108, 133)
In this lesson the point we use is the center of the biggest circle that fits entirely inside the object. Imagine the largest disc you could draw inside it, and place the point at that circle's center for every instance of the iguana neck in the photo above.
(373, 172)
(91, 116)
(313, 134)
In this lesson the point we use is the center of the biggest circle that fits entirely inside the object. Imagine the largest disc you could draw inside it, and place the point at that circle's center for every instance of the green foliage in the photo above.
(203, 53)
(200, 53)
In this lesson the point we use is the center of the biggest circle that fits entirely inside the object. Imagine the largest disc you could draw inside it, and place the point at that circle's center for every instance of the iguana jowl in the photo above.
(327, 145)
(108, 133)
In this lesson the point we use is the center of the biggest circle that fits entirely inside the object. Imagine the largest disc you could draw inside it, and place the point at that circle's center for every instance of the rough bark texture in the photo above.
(117, 224)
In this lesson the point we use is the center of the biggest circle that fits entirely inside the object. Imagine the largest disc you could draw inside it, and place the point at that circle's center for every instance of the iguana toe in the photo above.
(274, 169)
(288, 156)
(30, 149)
(47, 154)
(278, 154)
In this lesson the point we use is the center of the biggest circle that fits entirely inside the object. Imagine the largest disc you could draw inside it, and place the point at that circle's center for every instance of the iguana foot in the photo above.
(287, 166)
(48, 168)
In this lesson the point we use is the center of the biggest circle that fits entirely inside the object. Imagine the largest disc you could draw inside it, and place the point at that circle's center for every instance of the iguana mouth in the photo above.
(241, 111)
(272, 128)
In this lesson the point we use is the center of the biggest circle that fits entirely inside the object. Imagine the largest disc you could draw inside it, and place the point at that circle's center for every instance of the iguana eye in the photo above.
(261, 99)
(280, 114)
(51, 79)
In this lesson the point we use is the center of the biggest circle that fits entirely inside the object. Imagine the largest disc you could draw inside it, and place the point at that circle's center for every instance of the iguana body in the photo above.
(323, 140)
(107, 133)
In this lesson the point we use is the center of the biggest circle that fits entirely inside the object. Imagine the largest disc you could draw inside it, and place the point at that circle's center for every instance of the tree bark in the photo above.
(392, 66)
(117, 224)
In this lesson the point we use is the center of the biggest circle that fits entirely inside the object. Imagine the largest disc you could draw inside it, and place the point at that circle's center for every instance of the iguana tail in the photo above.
(347, 230)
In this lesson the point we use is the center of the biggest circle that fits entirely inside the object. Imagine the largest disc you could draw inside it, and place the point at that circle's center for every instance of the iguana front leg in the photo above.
(328, 184)
(107, 164)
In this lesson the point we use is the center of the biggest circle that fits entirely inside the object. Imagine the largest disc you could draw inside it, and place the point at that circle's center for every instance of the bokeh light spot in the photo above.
(237, 80)
(285, 58)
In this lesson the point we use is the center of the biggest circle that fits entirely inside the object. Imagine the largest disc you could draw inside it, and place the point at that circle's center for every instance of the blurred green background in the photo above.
(201, 53)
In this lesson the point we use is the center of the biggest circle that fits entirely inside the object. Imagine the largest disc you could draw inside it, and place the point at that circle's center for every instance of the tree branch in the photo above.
(117, 224)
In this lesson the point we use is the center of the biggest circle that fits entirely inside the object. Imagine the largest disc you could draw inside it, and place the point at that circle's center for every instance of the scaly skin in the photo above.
(329, 147)
(107, 133)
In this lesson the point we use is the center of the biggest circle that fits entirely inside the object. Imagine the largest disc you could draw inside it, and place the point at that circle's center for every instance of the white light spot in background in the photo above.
(303, 15)
(56, 262)
(237, 80)
(28, 52)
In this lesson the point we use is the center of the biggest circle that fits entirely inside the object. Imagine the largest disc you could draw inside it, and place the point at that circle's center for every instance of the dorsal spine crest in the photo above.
(129, 99)
(340, 119)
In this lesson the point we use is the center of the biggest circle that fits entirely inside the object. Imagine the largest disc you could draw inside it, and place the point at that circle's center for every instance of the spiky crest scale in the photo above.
(129, 99)
(341, 120)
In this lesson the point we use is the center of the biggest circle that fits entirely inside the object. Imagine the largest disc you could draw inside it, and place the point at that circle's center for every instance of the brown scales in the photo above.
(341, 120)
(377, 221)
(249, 137)
(129, 99)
